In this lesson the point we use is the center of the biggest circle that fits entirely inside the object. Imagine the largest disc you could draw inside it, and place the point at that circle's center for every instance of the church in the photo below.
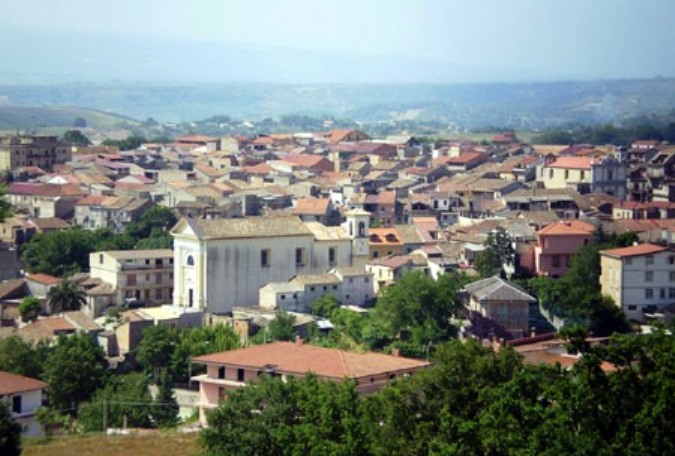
(221, 264)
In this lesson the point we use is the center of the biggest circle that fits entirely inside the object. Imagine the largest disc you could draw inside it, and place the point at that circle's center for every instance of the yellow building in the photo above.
(41, 151)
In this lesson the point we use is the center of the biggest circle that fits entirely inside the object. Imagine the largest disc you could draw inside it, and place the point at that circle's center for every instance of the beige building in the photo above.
(223, 263)
(41, 151)
(640, 278)
(136, 275)
(584, 175)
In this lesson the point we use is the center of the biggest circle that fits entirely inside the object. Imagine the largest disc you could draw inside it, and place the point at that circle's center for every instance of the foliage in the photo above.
(420, 306)
(498, 254)
(273, 417)
(156, 348)
(10, 433)
(129, 143)
(165, 408)
(30, 308)
(6, 209)
(74, 369)
(22, 358)
(66, 296)
(76, 138)
(52, 421)
(325, 305)
(154, 222)
(281, 327)
(122, 396)
(608, 134)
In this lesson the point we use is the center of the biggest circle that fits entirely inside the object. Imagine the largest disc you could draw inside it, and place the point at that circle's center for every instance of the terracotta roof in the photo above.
(302, 358)
(567, 227)
(44, 279)
(385, 236)
(195, 139)
(50, 223)
(32, 188)
(305, 160)
(12, 288)
(393, 261)
(249, 227)
(336, 136)
(634, 250)
(46, 328)
(311, 206)
(571, 163)
(12, 383)
(466, 158)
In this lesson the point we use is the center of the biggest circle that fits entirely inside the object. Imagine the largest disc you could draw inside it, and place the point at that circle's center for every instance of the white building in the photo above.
(640, 278)
(23, 396)
(220, 264)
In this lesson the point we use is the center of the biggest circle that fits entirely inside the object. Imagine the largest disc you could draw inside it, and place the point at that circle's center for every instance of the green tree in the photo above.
(498, 254)
(165, 409)
(156, 349)
(10, 433)
(76, 138)
(74, 369)
(325, 305)
(30, 308)
(200, 341)
(60, 253)
(6, 209)
(22, 358)
(66, 296)
(307, 416)
(281, 327)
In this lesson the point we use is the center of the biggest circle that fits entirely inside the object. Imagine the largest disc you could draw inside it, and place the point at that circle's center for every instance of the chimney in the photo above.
(299, 341)
(395, 352)
(533, 331)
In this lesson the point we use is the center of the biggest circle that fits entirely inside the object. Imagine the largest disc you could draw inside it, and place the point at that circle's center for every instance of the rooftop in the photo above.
(12, 384)
(302, 358)
(634, 250)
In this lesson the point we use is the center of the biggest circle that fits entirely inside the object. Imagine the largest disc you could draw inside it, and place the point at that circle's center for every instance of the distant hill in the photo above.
(522, 106)
(60, 117)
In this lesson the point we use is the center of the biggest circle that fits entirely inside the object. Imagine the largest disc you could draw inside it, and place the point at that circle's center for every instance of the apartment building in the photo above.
(27, 150)
(136, 275)
(585, 175)
(640, 278)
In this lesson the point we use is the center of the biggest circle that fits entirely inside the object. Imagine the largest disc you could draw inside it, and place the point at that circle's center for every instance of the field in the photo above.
(150, 444)
(61, 117)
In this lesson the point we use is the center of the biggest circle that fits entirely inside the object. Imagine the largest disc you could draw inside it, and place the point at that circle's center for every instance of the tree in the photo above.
(325, 305)
(498, 254)
(6, 208)
(74, 369)
(60, 253)
(165, 409)
(156, 348)
(10, 433)
(66, 296)
(22, 358)
(281, 327)
(75, 137)
(30, 308)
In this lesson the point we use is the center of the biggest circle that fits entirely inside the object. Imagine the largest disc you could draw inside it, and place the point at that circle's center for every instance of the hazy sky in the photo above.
(551, 38)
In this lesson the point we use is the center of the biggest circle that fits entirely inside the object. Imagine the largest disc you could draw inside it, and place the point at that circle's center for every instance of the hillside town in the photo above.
(334, 253)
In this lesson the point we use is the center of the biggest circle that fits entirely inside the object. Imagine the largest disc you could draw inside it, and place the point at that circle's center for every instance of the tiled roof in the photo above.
(384, 236)
(38, 189)
(567, 227)
(50, 223)
(311, 206)
(571, 163)
(634, 250)
(327, 233)
(12, 384)
(44, 279)
(12, 288)
(298, 358)
(249, 227)
(497, 289)
(393, 261)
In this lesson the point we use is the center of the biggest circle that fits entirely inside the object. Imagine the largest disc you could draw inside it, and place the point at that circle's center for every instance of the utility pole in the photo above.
(105, 413)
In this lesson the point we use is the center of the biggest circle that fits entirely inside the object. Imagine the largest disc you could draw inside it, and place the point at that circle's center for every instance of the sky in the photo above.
(521, 39)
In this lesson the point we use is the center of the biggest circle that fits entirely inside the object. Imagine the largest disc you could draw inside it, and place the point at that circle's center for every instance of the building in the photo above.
(501, 302)
(23, 396)
(44, 152)
(136, 275)
(220, 264)
(94, 212)
(233, 369)
(44, 200)
(640, 278)
(584, 174)
(558, 243)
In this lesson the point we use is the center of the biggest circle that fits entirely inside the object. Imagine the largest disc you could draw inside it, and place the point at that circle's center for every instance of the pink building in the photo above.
(233, 369)
(557, 243)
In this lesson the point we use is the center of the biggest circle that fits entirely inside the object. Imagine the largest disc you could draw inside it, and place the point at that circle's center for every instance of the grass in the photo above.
(159, 443)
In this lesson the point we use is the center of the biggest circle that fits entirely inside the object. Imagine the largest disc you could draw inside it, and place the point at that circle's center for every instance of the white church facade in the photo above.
(221, 264)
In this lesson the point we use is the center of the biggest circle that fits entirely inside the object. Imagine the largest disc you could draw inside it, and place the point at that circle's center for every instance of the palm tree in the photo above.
(66, 296)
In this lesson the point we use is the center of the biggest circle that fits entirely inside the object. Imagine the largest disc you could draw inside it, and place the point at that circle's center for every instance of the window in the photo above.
(331, 255)
(632, 308)
(221, 372)
(583, 175)
(649, 259)
(283, 297)
(567, 174)
(672, 276)
(629, 261)
(568, 260)
(240, 375)
(609, 174)
(147, 262)
(131, 279)
(159, 262)
(671, 260)
(671, 293)
(158, 294)
(649, 276)
(556, 261)
(299, 257)
(190, 260)
(100, 258)
(265, 258)
(649, 293)
(334, 287)
(365, 280)
(16, 404)
(662, 293)
(550, 174)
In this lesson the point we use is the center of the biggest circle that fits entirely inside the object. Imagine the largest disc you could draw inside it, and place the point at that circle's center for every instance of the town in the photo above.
(146, 285)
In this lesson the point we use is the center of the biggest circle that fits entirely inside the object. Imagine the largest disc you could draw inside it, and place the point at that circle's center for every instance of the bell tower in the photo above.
(356, 226)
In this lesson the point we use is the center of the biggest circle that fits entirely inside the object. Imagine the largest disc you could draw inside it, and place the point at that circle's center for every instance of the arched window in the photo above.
(362, 229)
(190, 260)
